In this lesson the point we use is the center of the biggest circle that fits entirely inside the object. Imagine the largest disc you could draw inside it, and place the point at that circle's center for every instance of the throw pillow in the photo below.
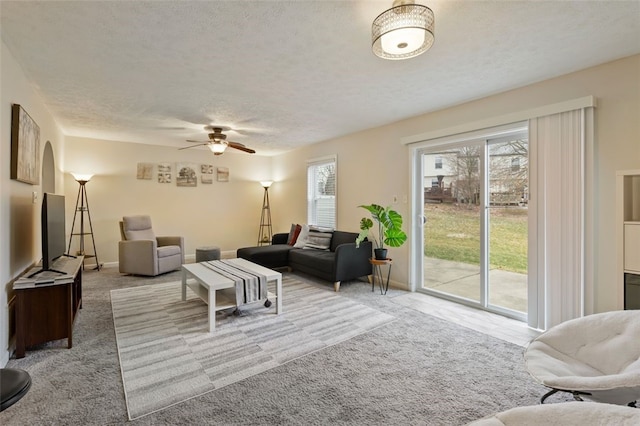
(291, 232)
(296, 233)
(302, 237)
(319, 238)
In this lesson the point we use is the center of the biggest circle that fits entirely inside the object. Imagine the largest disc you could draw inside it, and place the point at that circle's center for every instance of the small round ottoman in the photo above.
(207, 253)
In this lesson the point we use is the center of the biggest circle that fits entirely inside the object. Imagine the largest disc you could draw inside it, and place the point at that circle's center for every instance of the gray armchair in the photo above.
(142, 253)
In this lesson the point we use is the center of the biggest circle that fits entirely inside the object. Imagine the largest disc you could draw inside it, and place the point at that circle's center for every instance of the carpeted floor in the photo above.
(417, 370)
(167, 356)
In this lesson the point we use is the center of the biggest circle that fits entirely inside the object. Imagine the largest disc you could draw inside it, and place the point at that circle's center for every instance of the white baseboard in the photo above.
(399, 285)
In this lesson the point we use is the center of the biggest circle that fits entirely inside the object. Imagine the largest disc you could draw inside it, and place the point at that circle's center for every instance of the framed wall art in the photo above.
(164, 173)
(223, 174)
(186, 174)
(145, 171)
(25, 147)
(206, 173)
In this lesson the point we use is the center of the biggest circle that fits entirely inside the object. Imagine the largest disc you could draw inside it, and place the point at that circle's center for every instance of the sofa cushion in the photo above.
(138, 228)
(273, 256)
(321, 260)
(342, 237)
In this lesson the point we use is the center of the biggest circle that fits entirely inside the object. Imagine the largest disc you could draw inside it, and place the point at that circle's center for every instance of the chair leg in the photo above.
(576, 396)
(336, 286)
(547, 395)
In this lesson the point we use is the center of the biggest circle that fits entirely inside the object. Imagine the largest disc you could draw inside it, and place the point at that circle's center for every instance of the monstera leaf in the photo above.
(389, 227)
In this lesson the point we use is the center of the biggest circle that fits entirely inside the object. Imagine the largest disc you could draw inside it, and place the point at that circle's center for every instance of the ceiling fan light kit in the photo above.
(218, 148)
(218, 142)
(404, 31)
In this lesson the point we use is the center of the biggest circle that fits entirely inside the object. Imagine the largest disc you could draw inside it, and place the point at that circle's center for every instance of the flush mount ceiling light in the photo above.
(404, 31)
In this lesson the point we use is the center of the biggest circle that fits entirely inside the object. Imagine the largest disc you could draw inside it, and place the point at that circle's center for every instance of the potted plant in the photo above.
(389, 229)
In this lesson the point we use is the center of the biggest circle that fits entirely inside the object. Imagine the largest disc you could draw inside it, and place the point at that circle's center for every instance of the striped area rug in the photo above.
(167, 355)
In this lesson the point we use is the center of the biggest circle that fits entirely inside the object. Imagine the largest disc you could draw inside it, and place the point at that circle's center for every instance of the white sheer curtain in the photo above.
(560, 145)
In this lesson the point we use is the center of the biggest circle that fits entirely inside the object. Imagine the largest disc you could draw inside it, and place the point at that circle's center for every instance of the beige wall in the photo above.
(225, 214)
(372, 168)
(19, 216)
(373, 165)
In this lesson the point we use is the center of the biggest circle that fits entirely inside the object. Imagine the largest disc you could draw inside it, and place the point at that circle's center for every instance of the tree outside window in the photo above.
(515, 164)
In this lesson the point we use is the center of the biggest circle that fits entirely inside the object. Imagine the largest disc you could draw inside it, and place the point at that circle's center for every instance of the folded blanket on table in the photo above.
(250, 287)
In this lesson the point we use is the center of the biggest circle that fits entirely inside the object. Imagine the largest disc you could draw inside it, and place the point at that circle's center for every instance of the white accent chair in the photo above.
(142, 253)
(565, 414)
(596, 357)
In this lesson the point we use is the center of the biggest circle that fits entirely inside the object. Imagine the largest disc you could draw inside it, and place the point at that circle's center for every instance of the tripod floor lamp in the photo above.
(266, 231)
(82, 207)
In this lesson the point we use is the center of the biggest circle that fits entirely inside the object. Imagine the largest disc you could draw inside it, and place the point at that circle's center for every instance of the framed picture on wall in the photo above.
(145, 171)
(186, 174)
(223, 174)
(206, 173)
(164, 173)
(25, 147)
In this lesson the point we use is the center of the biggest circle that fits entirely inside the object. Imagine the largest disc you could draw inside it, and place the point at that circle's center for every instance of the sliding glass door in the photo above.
(452, 231)
(507, 214)
(474, 234)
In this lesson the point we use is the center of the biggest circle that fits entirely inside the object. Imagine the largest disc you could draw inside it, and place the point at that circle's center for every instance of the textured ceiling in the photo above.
(288, 73)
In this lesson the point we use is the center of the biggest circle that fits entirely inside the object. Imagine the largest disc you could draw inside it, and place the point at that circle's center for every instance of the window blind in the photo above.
(321, 192)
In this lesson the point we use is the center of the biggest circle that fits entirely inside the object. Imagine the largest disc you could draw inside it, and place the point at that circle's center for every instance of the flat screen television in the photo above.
(53, 231)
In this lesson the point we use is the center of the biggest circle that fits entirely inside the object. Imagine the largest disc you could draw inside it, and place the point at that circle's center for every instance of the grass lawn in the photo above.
(452, 232)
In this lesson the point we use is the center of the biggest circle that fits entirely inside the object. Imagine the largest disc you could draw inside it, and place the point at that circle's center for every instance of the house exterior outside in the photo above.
(453, 176)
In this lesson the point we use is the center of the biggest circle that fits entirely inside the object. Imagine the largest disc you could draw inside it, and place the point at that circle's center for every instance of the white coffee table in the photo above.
(206, 283)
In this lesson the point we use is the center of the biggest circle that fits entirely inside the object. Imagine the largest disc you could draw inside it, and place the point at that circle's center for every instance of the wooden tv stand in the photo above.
(47, 304)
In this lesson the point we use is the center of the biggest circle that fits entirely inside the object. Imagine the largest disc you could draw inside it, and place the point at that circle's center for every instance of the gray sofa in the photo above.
(342, 262)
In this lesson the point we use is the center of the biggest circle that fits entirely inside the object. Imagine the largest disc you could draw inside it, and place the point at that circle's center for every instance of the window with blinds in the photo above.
(321, 192)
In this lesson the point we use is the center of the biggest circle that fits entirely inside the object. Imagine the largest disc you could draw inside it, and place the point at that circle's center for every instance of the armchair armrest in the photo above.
(353, 262)
(138, 257)
(172, 241)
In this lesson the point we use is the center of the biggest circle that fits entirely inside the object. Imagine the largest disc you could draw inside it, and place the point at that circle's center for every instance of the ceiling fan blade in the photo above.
(192, 141)
(170, 128)
(193, 146)
(241, 147)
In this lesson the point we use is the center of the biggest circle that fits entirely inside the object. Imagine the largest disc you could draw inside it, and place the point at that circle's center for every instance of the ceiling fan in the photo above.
(218, 142)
